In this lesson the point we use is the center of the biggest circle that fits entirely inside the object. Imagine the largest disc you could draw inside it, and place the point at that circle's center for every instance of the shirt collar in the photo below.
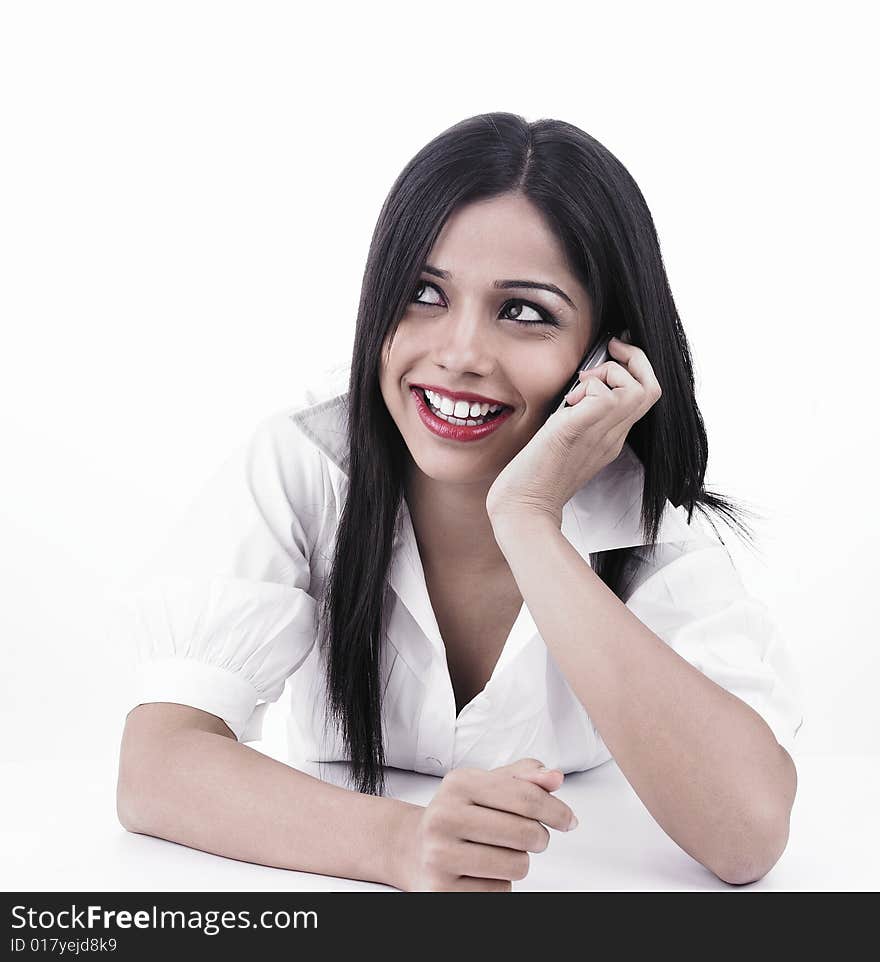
(604, 514)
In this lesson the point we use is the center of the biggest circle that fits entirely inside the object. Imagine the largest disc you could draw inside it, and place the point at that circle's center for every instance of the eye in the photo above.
(423, 285)
(543, 316)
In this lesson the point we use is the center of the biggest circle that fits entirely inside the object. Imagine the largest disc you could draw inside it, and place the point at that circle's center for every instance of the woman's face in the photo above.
(518, 345)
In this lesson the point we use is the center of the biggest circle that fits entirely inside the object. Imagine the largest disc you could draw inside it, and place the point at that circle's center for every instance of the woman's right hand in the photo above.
(477, 831)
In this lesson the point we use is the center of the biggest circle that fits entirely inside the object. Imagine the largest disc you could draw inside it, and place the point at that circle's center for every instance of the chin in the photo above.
(442, 468)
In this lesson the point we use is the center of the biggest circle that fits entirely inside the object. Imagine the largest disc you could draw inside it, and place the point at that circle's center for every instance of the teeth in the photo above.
(470, 422)
(460, 409)
(444, 407)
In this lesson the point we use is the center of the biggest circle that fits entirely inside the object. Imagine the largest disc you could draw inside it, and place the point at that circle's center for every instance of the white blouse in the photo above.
(225, 617)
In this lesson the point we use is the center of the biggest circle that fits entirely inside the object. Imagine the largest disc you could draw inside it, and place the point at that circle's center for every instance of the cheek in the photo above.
(544, 378)
(387, 350)
(396, 348)
(540, 384)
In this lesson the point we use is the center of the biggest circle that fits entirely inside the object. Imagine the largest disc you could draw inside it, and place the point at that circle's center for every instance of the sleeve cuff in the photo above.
(220, 692)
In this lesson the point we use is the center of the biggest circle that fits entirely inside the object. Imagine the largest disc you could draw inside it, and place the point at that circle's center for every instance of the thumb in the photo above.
(532, 770)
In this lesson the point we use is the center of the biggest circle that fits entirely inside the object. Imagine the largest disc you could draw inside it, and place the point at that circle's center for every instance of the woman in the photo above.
(535, 590)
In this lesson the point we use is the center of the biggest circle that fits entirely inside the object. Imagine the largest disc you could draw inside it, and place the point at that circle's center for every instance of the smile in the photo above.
(456, 429)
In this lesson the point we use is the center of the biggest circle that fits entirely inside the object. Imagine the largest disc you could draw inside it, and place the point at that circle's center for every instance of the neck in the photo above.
(451, 524)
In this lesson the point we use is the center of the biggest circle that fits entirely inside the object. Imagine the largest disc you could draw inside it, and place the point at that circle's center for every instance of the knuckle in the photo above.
(526, 840)
(540, 839)
(528, 796)
(534, 838)
(521, 865)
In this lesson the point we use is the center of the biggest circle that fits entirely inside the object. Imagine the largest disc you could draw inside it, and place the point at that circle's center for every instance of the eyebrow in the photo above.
(505, 284)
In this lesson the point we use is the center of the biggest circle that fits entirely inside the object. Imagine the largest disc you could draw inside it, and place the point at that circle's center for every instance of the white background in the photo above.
(187, 195)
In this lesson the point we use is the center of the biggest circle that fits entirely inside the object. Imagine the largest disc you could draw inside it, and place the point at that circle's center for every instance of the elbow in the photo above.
(126, 811)
(126, 794)
(126, 814)
(148, 740)
(754, 859)
(143, 803)
(135, 782)
(130, 797)
(762, 843)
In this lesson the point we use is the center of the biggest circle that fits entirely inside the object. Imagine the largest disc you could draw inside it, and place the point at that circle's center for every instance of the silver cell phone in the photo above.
(594, 357)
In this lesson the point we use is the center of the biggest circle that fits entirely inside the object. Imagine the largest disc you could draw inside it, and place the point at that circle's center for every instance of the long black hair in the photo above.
(597, 211)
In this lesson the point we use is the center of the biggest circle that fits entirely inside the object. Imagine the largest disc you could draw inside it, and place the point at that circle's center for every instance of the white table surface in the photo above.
(60, 833)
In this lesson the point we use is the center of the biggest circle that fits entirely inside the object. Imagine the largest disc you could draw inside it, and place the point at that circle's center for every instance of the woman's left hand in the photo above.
(575, 443)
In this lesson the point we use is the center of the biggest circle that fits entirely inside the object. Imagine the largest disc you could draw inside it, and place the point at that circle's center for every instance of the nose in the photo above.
(464, 342)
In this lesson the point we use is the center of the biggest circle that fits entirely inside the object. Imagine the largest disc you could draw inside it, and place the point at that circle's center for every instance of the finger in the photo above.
(636, 363)
(533, 770)
(612, 374)
(508, 794)
(527, 764)
(466, 883)
(489, 827)
(549, 781)
(490, 861)
(590, 386)
(595, 386)
(581, 390)
(575, 394)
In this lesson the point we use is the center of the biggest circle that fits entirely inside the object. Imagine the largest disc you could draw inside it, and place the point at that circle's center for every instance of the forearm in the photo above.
(705, 764)
(213, 793)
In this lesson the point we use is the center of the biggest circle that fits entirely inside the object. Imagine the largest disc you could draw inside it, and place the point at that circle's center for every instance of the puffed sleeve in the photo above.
(222, 615)
(692, 597)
